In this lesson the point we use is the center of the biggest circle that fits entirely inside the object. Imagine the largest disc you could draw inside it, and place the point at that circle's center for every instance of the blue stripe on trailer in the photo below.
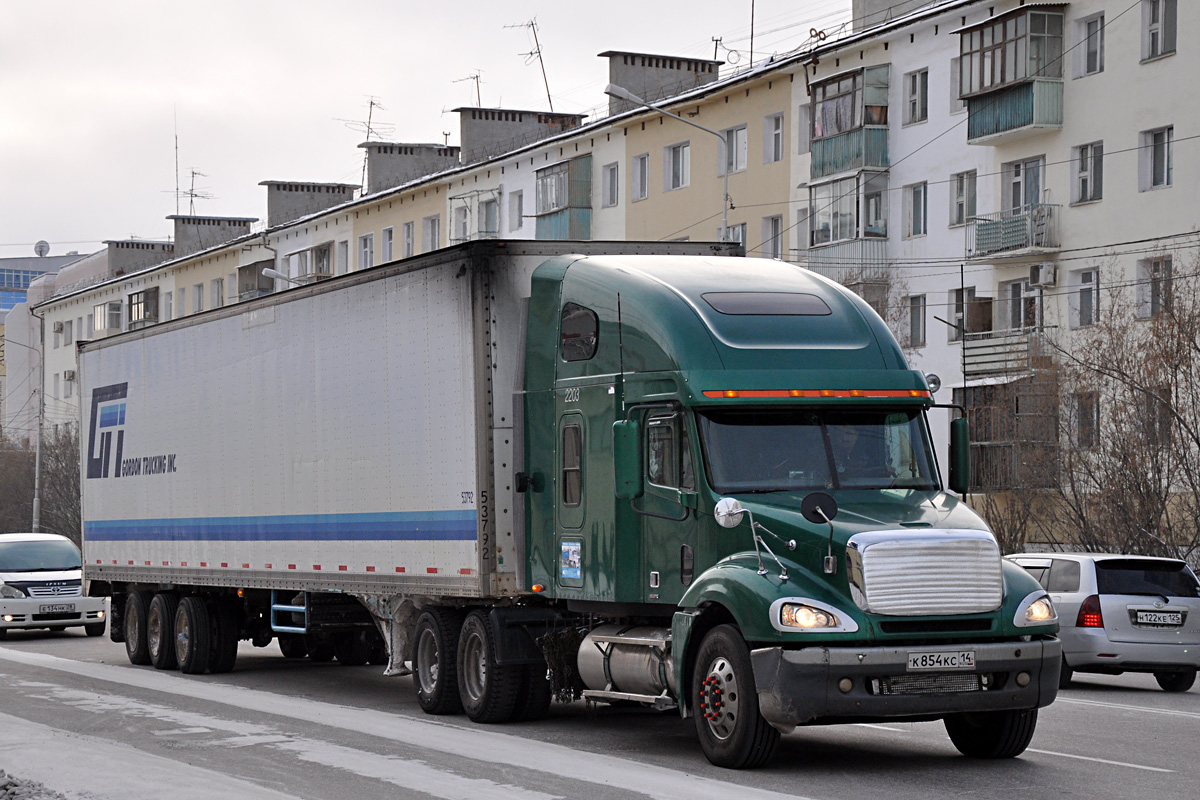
(398, 526)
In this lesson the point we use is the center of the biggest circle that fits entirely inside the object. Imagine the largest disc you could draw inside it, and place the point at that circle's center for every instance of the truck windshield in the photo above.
(784, 450)
(47, 555)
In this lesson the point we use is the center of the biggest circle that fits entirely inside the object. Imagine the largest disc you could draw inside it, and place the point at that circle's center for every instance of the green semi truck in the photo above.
(631, 473)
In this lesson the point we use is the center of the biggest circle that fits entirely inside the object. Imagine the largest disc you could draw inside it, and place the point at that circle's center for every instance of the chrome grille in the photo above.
(50, 590)
(928, 684)
(927, 572)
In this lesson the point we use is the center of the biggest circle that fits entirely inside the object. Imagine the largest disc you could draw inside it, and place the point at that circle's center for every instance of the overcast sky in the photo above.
(93, 93)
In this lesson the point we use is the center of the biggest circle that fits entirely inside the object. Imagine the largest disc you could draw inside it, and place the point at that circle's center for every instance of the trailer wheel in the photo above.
(732, 731)
(435, 661)
(320, 649)
(95, 629)
(292, 645)
(160, 630)
(533, 702)
(1175, 681)
(351, 648)
(137, 608)
(992, 734)
(192, 636)
(488, 690)
(223, 635)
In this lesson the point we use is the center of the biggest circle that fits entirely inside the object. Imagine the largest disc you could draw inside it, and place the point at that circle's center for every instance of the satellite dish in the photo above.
(42, 248)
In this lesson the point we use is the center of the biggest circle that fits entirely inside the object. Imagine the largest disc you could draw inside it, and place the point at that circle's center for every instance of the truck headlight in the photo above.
(10, 592)
(806, 615)
(1035, 609)
(795, 615)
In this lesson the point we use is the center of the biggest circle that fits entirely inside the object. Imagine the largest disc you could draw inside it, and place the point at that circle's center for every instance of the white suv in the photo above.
(41, 585)
(1123, 614)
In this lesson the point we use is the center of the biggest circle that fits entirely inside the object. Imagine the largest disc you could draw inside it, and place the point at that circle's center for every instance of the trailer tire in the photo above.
(292, 645)
(1175, 681)
(533, 702)
(137, 608)
(223, 635)
(160, 630)
(95, 629)
(320, 649)
(732, 732)
(489, 691)
(192, 636)
(435, 661)
(992, 734)
(351, 648)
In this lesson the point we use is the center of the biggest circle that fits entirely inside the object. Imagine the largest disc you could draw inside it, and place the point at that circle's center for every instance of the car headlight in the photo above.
(10, 592)
(1036, 609)
(801, 614)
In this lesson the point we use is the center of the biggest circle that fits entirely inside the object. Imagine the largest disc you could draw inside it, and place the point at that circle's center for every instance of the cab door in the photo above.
(667, 507)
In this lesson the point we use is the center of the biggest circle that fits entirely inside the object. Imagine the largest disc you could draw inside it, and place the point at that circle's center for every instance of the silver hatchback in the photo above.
(1123, 614)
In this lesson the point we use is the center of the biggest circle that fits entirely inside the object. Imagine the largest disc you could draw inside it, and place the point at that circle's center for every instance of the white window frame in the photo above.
(772, 236)
(915, 309)
(960, 301)
(916, 210)
(216, 292)
(1153, 286)
(1085, 405)
(516, 210)
(1088, 167)
(462, 223)
(964, 197)
(803, 128)
(1085, 295)
(197, 298)
(916, 96)
(640, 180)
(1159, 19)
(168, 306)
(431, 233)
(957, 104)
(1156, 158)
(343, 256)
(366, 251)
(389, 235)
(677, 166)
(737, 150)
(181, 293)
(774, 139)
(489, 208)
(406, 240)
(610, 182)
(1089, 33)
(800, 238)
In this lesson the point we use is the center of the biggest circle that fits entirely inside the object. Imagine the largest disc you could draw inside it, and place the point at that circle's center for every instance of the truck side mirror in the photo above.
(627, 459)
(960, 456)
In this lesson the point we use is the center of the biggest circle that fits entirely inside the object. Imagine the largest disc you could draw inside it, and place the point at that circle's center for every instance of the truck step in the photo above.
(660, 702)
(288, 624)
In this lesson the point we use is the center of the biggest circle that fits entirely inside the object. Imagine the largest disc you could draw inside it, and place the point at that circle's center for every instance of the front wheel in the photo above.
(992, 734)
(732, 732)
(94, 629)
(1175, 681)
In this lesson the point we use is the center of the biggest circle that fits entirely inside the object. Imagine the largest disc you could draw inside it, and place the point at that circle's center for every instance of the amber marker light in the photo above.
(814, 393)
(537, 587)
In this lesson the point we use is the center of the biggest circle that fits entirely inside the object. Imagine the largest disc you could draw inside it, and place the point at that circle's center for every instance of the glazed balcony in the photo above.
(866, 146)
(1013, 112)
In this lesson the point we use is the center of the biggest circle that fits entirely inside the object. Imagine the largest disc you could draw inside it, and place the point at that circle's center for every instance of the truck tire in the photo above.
(1175, 681)
(320, 649)
(435, 661)
(192, 630)
(488, 690)
(1065, 674)
(223, 635)
(350, 648)
(732, 732)
(95, 629)
(992, 734)
(533, 701)
(292, 645)
(137, 608)
(160, 630)
(116, 617)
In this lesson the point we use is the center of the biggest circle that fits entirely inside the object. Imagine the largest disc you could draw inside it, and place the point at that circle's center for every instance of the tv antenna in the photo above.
(475, 76)
(535, 55)
(193, 194)
(370, 128)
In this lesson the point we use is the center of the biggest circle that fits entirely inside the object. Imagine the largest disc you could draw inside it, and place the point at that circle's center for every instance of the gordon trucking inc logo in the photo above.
(106, 439)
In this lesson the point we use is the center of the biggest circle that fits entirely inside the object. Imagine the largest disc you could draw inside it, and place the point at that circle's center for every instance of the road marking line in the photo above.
(506, 750)
(1146, 709)
(1098, 760)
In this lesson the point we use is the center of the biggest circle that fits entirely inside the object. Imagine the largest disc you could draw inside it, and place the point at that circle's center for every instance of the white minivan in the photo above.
(41, 585)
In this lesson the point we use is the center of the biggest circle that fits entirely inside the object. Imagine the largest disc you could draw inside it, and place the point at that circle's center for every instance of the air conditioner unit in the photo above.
(1043, 275)
(58, 327)
(68, 374)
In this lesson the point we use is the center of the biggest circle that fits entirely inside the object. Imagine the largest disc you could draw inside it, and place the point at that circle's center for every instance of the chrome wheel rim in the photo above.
(475, 672)
(427, 661)
(719, 701)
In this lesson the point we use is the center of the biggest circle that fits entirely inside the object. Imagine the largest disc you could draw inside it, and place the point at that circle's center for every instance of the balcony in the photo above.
(851, 262)
(1007, 352)
(862, 147)
(1014, 112)
(1024, 231)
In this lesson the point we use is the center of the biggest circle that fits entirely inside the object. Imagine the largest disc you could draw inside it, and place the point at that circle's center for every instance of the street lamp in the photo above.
(279, 276)
(612, 90)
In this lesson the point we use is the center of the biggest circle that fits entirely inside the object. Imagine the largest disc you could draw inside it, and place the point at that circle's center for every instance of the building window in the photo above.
(406, 240)
(1085, 306)
(1158, 28)
(803, 129)
(736, 233)
(297, 264)
(343, 257)
(68, 385)
(1091, 50)
(800, 240)
(168, 306)
(1154, 286)
(366, 251)
(322, 258)
(839, 206)
(1011, 50)
(462, 224)
(962, 207)
(609, 183)
(182, 295)
(677, 166)
(55, 392)
(641, 177)
(68, 333)
(197, 298)
(916, 96)
(843, 104)
(516, 210)
(1089, 172)
(735, 151)
(916, 209)
(217, 290)
(1023, 183)
(489, 219)
(772, 233)
(431, 233)
(916, 320)
(1156, 159)
(1087, 419)
(388, 245)
(957, 104)
(773, 147)
(971, 315)
(1022, 304)
(143, 308)
(551, 189)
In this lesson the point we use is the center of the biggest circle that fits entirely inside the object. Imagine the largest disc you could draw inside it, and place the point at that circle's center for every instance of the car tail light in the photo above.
(1089, 614)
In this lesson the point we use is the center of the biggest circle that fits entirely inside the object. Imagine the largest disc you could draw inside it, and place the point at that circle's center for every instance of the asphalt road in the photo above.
(76, 716)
